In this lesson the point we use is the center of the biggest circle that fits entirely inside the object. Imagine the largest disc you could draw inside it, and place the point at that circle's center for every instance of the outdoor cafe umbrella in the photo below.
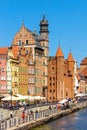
(23, 97)
(63, 101)
(80, 95)
(13, 98)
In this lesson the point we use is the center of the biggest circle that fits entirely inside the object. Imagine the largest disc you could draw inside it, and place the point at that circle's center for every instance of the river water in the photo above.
(74, 121)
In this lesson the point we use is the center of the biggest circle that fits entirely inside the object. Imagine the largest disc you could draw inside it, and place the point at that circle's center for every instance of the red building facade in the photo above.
(60, 77)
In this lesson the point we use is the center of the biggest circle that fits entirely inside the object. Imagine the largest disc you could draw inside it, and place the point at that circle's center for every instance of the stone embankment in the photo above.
(43, 117)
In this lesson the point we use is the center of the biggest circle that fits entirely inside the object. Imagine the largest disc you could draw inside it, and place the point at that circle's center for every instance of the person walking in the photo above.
(36, 113)
(11, 114)
(23, 116)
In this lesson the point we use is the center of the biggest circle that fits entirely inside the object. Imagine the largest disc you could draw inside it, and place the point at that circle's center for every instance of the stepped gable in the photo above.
(23, 34)
(23, 28)
(70, 57)
(84, 61)
(59, 52)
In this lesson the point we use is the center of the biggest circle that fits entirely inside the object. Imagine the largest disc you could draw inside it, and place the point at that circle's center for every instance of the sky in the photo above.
(67, 23)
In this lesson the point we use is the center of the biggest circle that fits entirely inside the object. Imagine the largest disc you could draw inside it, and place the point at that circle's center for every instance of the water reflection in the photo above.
(75, 121)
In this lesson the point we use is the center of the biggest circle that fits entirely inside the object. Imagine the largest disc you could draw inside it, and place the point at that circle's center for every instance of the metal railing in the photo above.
(6, 124)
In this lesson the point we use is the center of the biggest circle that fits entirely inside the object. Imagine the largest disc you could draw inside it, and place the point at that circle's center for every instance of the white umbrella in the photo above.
(37, 97)
(9, 98)
(30, 98)
(63, 101)
(80, 95)
(43, 98)
(19, 96)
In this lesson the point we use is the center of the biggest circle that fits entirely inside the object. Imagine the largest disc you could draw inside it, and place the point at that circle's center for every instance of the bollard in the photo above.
(34, 116)
(19, 121)
(5, 125)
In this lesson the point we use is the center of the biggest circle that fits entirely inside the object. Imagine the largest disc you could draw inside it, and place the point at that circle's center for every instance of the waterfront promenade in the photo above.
(44, 115)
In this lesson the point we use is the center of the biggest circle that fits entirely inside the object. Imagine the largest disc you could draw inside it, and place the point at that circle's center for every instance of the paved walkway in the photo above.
(5, 113)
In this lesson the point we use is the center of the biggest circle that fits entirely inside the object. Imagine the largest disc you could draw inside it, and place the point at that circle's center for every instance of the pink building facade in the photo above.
(3, 81)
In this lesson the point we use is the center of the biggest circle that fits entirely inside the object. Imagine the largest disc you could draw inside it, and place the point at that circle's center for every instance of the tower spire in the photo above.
(70, 50)
(43, 16)
(59, 43)
(22, 22)
(44, 26)
(70, 56)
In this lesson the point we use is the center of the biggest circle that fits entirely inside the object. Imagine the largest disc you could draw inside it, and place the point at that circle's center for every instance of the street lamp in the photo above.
(11, 97)
(28, 96)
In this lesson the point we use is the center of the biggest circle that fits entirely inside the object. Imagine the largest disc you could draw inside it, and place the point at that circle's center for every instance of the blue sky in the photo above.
(67, 23)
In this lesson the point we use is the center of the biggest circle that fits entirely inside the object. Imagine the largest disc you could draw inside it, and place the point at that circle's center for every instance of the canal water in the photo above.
(74, 121)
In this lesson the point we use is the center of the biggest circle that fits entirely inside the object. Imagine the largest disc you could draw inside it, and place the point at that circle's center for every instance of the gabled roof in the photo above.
(84, 61)
(70, 57)
(59, 53)
(4, 51)
(84, 72)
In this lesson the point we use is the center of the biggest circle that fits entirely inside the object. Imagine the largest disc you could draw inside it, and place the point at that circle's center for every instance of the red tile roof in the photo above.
(84, 61)
(15, 50)
(4, 51)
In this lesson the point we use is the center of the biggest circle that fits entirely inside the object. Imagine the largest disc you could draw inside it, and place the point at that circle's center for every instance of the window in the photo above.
(64, 74)
(43, 63)
(31, 80)
(3, 78)
(30, 61)
(26, 51)
(19, 43)
(26, 42)
(3, 69)
(50, 91)
(31, 70)
(52, 68)
(53, 98)
(53, 90)
(50, 84)
(66, 93)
